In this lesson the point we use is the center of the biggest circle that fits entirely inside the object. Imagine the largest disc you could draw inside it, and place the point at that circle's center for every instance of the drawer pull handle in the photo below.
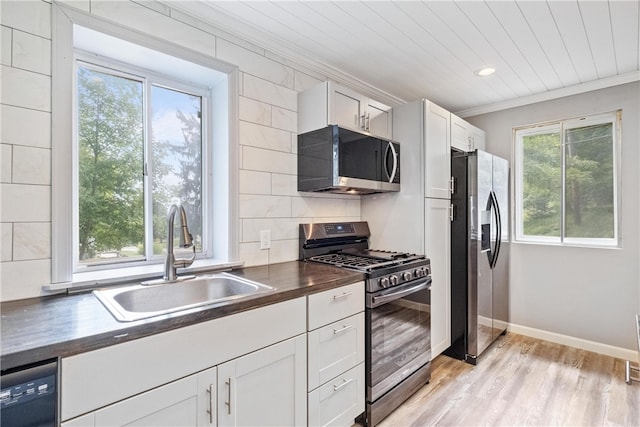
(344, 383)
(344, 328)
(228, 402)
(343, 295)
(210, 410)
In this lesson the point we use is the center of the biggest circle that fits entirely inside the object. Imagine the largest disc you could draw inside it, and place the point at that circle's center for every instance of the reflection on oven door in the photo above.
(400, 341)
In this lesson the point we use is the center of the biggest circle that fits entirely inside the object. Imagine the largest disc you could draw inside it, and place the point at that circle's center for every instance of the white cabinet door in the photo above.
(465, 136)
(188, 401)
(266, 387)
(339, 401)
(347, 107)
(437, 152)
(438, 248)
(378, 119)
(459, 135)
(477, 138)
(334, 349)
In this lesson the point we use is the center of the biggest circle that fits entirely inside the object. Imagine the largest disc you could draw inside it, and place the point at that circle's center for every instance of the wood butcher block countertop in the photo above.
(37, 329)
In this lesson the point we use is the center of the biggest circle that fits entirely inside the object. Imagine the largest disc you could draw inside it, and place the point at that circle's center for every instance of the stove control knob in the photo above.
(394, 280)
(419, 272)
(384, 282)
(407, 276)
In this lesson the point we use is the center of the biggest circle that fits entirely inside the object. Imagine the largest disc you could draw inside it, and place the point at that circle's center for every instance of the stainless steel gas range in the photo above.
(397, 310)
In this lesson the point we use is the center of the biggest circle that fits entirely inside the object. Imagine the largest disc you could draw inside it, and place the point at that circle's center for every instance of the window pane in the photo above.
(589, 201)
(541, 181)
(110, 133)
(176, 162)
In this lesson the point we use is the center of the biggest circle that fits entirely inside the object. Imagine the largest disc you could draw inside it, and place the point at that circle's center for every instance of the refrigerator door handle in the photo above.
(496, 211)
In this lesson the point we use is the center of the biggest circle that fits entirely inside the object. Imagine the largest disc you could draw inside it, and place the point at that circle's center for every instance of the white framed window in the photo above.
(138, 148)
(139, 124)
(567, 180)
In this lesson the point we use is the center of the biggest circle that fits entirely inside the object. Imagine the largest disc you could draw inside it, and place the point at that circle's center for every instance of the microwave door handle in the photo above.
(392, 175)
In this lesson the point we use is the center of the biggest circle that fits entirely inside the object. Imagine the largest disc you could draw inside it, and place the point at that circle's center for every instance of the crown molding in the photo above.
(603, 83)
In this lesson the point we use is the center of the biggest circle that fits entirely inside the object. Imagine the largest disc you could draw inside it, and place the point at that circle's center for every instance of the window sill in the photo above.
(565, 245)
(102, 278)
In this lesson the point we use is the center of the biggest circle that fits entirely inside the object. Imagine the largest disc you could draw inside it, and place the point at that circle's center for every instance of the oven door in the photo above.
(398, 339)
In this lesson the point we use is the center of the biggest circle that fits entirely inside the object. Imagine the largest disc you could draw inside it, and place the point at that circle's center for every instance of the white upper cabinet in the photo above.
(437, 148)
(332, 104)
(465, 136)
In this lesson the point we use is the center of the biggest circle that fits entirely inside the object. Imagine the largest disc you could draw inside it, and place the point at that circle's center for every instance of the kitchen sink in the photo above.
(139, 301)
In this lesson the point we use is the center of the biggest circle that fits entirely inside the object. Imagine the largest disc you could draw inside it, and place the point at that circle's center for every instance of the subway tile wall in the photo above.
(268, 198)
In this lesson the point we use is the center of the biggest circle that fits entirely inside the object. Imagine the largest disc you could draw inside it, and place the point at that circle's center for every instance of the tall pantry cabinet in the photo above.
(417, 219)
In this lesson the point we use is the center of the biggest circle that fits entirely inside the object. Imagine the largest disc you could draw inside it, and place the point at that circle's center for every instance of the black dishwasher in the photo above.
(29, 395)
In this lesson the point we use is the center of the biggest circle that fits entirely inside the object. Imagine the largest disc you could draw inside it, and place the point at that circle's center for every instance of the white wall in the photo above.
(267, 135)
(587, 293)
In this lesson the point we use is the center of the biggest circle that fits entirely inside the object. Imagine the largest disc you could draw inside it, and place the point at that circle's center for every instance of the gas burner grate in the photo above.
(355, 262)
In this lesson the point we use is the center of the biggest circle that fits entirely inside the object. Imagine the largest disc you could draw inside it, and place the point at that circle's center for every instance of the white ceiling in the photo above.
(431, 49)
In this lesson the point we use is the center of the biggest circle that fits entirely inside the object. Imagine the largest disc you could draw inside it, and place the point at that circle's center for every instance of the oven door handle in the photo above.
(383, 299)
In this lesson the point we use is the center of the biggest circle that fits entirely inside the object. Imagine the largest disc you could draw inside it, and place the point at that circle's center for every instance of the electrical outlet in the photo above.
(265, 239)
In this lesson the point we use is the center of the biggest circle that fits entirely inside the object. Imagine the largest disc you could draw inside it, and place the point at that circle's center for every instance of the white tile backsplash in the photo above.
(5, 39)
(259, 206)
(31, 240)
(268, 160)
(24, 279)
(31, 165)
(254, 111)
(25, 203)
(271, 93)
(253, 182)
(283, 250)
(6, 161)
(281, 228)
(29, 16)
(284, 185)
(6, 244)
(31, 52)
(284, 119)
(257, 65)
(252, 255)
(22, 88)
(22, 126)
(264, 137)
(318, 207)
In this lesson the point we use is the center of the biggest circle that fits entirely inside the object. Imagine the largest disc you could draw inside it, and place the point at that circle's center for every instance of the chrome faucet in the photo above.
(171, 264)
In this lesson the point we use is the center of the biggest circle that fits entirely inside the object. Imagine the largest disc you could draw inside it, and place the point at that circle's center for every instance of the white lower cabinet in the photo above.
(190, 401)
(438, 247)
(336, 356)
(339, 401)
(265, 388)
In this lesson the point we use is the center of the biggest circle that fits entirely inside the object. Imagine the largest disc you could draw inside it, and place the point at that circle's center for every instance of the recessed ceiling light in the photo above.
(484, 72)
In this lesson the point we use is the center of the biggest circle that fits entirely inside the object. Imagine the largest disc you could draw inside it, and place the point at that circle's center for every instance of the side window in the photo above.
(567, 181)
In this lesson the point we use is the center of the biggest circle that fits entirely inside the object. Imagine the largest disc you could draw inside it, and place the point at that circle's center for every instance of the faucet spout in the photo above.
(186, 240)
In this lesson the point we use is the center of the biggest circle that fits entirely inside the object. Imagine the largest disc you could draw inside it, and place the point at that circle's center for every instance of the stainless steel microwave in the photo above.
(337, 160)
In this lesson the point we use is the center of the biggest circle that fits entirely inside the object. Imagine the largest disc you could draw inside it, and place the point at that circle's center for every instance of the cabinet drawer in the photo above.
(339, 401)
(334, 349)
(335, 304)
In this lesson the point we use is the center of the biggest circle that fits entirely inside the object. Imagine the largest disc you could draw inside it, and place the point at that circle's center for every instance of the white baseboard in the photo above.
(596, 347)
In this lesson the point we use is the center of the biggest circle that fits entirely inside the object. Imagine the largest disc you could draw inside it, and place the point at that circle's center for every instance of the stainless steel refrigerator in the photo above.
(479, 253)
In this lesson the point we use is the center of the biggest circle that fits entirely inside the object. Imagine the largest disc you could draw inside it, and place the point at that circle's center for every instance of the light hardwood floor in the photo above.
(523, 381)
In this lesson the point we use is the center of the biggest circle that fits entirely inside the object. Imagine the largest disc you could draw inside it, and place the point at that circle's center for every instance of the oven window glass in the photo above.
(400, 340)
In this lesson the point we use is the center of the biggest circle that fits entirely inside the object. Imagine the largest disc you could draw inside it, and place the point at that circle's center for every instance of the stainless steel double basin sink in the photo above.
(135, 302)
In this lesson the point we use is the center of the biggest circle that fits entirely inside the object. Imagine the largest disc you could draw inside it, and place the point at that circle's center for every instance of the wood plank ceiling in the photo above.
(432, 49)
